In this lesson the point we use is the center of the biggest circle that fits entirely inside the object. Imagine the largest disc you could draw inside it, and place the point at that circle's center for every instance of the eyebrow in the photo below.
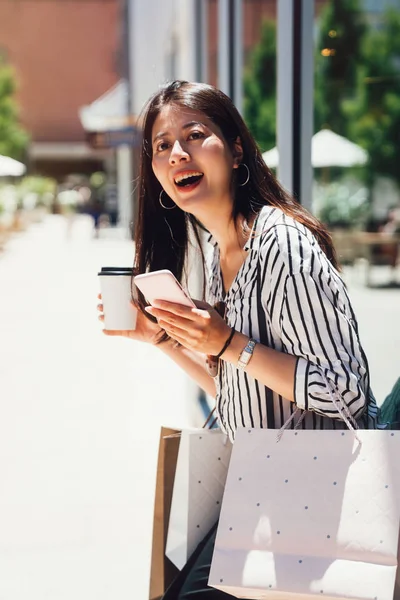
(186, 126)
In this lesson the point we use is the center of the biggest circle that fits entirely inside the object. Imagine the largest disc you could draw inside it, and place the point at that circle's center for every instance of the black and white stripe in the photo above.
(288, 296)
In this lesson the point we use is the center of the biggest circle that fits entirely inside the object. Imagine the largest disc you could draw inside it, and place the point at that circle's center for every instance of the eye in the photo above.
(196, 135)
(161, 146)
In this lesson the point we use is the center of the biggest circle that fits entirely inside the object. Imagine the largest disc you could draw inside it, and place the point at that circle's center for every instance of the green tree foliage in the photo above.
(374, 113)
(13, 138)
(338, 56)
(260, 88)
(357, 84)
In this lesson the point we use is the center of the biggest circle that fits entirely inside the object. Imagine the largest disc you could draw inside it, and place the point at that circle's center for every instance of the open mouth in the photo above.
(189, 179)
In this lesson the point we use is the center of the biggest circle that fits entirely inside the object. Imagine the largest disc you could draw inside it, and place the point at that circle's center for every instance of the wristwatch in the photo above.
(246, 354)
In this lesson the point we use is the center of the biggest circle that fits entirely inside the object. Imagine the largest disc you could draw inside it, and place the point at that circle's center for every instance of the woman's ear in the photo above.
(237, 152)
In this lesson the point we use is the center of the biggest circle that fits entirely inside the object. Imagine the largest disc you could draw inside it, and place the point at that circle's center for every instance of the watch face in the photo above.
(246, 354)
(244, 359)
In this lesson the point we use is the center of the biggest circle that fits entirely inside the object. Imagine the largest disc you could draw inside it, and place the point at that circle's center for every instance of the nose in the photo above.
(178, 154)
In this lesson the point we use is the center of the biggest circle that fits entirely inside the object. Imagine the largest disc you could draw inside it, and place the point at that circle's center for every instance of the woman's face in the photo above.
(191, 159)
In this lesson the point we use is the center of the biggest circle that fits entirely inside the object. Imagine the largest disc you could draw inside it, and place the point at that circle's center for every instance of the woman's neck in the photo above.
(230, 234)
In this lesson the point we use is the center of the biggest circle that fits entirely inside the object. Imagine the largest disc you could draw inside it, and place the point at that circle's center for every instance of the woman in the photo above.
(289, 337)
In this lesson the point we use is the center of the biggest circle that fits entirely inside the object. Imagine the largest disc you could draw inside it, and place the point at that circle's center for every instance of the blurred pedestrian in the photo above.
(96, 210)
(111, 203)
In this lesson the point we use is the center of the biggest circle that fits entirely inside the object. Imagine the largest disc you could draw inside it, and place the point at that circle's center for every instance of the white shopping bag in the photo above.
(313, 514)
(200, 477)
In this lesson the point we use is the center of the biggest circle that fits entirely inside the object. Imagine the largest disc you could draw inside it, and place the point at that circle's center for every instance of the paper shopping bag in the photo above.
(314, 514)
(162, 571)
(198, 489)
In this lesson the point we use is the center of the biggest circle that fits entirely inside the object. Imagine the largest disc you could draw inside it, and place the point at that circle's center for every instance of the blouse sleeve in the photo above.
(318, 326)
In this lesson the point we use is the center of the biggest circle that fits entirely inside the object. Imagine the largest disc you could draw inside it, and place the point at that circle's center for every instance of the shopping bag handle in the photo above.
(207, 422)
(340, 406)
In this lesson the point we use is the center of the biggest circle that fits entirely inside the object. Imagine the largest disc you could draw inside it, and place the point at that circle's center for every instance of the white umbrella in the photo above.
(328, 149)
(9, 167)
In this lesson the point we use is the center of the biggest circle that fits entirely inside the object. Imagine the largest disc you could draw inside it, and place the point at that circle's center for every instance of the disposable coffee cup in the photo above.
(116, 294)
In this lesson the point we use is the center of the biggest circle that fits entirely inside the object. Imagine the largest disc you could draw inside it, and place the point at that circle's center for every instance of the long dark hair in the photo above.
(162, 236)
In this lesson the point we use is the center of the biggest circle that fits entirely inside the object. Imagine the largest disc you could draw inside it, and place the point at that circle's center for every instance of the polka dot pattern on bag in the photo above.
(268, 521)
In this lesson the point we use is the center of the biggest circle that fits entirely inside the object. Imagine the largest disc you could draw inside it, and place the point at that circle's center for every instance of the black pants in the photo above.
(191, 583)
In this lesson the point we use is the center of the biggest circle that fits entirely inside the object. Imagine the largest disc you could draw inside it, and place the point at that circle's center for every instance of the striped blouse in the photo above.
(288, 296)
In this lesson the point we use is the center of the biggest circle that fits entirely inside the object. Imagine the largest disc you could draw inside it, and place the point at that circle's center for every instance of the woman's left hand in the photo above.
(200, 329)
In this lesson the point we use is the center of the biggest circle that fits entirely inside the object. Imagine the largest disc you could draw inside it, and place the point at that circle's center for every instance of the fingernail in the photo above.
(148, 309)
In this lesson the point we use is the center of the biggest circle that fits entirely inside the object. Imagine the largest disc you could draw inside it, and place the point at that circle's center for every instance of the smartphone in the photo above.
(162, 285)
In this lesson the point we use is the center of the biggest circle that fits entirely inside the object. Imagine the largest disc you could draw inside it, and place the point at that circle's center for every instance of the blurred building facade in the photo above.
(72, 54)
(65, 54)
(162, 45)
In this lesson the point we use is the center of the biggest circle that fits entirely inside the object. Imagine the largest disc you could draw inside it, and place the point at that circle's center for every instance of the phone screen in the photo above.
(162, 285)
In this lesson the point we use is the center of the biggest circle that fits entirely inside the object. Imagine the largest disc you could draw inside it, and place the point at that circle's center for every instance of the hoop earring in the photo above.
(248, 175)
(163, 205)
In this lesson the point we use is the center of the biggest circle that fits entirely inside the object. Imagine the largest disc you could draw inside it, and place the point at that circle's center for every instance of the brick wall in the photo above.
(66, 54)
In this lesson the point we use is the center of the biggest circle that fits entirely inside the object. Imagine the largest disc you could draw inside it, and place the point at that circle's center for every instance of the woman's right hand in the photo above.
(146, 330)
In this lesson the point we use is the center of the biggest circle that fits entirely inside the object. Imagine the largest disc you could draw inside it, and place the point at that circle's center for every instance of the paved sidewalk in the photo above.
(80, 416)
